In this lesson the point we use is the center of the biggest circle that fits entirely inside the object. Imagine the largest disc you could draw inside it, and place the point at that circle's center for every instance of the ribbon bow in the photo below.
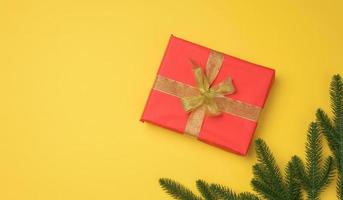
(207, 94)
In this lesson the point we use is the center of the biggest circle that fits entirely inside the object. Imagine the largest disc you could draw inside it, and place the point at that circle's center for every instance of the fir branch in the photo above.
(177, 190)
(293, 185)
(264, 190)
(301, 174)
(208, 192)
(313, 159)
(313, 163)
(327, 173)
(262, 184)
(267, 180)
(328, 130)
(315, 175)
(336, 94)
(333, 130)
(223, 192)
(205, 190)
(247, 196)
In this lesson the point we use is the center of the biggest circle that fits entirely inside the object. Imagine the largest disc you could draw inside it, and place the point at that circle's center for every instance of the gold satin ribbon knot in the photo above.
(205, 98)
(207, 94)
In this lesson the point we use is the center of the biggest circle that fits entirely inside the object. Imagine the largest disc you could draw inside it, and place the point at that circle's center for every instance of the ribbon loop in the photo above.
(225, 87)
(201, 80)
(213, 65)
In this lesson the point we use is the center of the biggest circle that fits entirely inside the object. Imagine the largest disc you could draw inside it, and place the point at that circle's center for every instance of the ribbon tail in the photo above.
(212, 109)
(192, 103)
(201, 79)
(195, 121)
(225, 87)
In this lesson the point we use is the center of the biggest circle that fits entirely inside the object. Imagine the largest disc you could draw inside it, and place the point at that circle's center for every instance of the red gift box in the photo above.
(229, 130)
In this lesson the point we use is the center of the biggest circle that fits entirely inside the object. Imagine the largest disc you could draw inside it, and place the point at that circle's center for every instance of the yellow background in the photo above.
(75, 76)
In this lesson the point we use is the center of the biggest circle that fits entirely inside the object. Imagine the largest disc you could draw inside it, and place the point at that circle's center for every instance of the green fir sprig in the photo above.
(268, 181)
(316, 174)
(333, 129)
(207, 191)
(312, 176)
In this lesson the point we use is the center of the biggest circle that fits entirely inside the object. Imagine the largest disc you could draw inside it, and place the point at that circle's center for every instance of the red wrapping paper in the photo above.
(229, 132)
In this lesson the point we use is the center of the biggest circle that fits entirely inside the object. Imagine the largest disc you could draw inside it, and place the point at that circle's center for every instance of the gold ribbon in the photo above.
(205, 99)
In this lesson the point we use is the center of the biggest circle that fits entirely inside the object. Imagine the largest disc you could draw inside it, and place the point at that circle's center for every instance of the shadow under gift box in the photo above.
(230, 132)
